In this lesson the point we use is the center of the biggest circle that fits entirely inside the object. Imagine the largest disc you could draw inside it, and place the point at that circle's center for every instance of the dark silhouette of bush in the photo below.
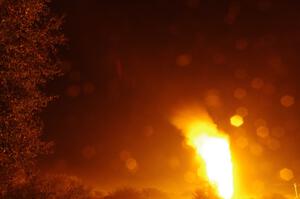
(154, 193)
(125, 193)
(50, 187)
(131, 193)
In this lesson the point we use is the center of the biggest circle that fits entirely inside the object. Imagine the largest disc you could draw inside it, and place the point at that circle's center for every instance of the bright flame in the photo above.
(212, 145)
(216, 153)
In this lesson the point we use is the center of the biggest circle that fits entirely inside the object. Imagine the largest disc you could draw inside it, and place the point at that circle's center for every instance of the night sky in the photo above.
(129, 64)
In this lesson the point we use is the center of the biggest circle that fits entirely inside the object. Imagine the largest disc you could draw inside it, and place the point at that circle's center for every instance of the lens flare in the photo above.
(212, 146)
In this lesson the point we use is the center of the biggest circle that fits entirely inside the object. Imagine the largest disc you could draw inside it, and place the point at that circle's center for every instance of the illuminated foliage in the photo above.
(29, 37)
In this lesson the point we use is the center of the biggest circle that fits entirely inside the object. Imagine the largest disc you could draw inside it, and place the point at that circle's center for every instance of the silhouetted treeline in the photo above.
(131, 193)
(50, 187)
(29, 40)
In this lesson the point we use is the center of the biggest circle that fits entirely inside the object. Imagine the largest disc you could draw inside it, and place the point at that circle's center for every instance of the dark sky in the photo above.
(129, 63)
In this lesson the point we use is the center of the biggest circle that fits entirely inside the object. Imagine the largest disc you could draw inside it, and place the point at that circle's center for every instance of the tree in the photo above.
(29, 40)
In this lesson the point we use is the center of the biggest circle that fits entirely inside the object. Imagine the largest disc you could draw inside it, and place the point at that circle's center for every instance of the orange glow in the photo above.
(212, 146)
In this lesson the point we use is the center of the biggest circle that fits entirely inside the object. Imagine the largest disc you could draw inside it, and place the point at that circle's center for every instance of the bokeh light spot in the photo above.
(240, 93)
(286, 174)
(236, 120)
(262, 132)
(287, 100)
(131, 164)
(212, 98)
(257, 83)
(242, 111)
(184, 60)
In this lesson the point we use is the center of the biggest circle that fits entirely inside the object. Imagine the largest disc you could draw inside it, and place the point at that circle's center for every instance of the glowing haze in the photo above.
(211, 145)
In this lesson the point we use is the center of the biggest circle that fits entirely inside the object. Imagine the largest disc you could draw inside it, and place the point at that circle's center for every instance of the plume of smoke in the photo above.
(193, 119)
